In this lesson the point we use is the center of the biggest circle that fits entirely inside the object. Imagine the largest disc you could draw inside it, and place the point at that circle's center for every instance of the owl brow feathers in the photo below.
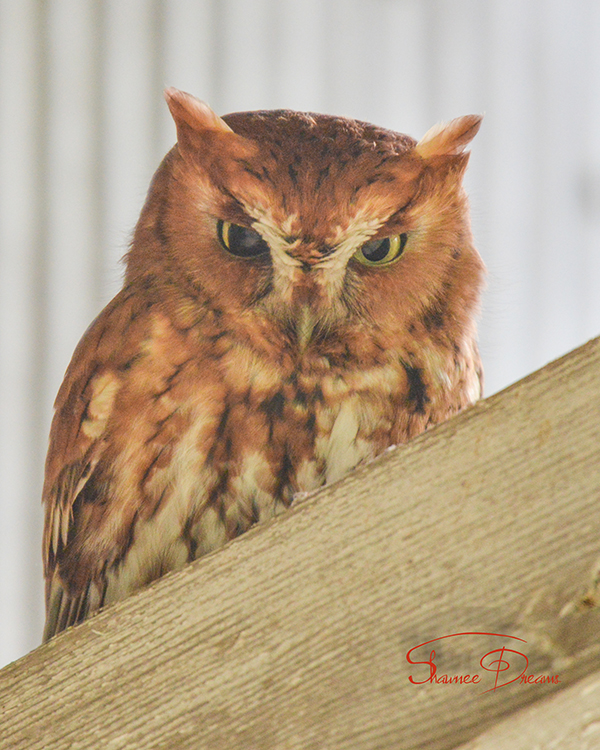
(204, 136)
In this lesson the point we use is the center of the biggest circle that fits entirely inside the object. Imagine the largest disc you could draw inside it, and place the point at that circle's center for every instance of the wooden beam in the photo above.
(295, 635)
(566, 720)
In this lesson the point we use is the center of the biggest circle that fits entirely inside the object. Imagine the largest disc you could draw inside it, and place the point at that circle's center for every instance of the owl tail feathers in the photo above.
(64, 610)
(447, 138)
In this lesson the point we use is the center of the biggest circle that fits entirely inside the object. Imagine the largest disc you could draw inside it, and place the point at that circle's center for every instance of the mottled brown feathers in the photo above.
(216, 386)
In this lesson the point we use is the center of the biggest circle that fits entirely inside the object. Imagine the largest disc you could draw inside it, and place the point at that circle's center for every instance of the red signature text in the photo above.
(506, 665)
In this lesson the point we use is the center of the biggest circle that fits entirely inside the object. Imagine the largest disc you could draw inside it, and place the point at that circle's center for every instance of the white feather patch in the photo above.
(344, 450)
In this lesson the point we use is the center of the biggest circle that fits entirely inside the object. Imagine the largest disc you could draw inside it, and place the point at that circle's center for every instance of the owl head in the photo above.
(310, 223)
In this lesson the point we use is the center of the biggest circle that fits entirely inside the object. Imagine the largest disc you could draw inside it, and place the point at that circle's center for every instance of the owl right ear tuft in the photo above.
(198, 126)
(448, 138)
(191, 113)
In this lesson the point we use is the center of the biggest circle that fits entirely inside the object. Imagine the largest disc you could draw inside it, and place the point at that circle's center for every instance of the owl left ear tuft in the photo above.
(448, 138)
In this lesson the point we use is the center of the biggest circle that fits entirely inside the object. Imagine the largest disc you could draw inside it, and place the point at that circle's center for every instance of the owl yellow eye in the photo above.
(383, 251)
(242, 242)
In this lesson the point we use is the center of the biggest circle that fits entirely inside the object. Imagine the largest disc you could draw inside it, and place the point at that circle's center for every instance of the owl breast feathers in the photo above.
(300, 294)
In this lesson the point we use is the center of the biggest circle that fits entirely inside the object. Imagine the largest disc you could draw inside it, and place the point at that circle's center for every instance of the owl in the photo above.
(300, 294)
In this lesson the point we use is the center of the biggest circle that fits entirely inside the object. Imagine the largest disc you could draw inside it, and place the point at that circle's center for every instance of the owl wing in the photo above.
(76, 479)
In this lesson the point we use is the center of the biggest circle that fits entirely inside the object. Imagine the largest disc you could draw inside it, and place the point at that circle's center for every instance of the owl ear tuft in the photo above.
(190, 113)
(448, 138)
(202, 136)
(197, 125)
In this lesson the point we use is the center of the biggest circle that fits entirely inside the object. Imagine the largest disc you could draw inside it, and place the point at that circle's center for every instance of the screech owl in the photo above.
(300, 294)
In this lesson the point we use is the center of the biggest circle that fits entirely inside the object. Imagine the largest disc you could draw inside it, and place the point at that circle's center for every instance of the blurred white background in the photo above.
(83, 125)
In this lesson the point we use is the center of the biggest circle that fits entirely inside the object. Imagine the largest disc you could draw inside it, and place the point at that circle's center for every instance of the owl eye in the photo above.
(240, 241)
(383, 251)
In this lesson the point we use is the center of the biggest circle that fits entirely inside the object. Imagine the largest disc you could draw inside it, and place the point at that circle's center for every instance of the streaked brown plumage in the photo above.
(300, 294)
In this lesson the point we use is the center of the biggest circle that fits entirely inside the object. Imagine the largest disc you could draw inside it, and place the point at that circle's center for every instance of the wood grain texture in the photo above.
(295, 635)
(569, 720)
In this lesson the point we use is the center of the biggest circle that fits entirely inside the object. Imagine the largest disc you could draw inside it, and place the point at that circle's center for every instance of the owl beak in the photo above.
(305, 325)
